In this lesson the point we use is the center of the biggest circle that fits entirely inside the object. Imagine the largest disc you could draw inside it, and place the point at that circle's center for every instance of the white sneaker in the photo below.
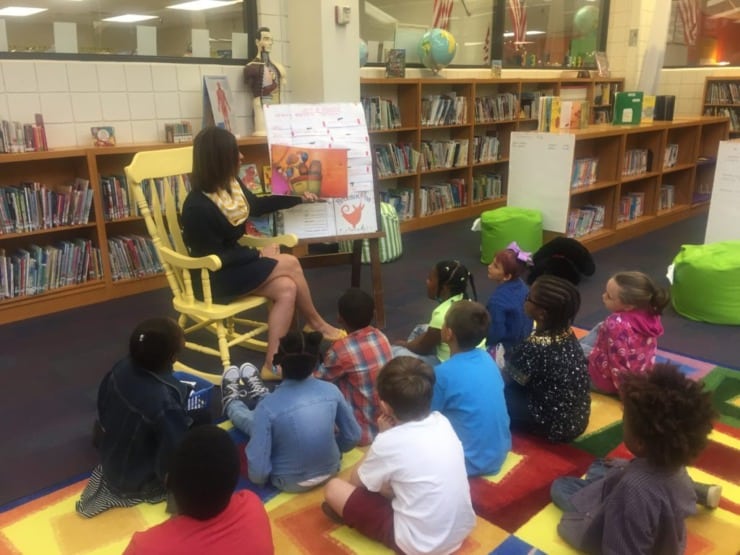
(250, 376)
(714, 494)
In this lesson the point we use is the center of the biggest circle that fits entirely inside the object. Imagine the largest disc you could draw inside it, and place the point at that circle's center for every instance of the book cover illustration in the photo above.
(627, 108)
(260, 226)
(322, 171)
(355, 214)
(396, 64)
(217, 102)
(103, 136)
(267, 178)
(249, 174)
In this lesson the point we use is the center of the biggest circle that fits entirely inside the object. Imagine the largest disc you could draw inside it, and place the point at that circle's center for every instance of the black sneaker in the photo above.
(230, 387)
(253, 384)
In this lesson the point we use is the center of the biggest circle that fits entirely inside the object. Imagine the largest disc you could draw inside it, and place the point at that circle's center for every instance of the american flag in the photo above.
(441, 15)
(518, 20)
(689, 11)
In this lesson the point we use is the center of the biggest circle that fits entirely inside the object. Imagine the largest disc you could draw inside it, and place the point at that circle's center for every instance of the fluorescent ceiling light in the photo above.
(529, 33)
(200, 5)
(20, 12)
(130, 18)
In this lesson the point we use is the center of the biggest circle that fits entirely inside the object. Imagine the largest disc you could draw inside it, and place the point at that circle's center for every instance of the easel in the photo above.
(353, 258)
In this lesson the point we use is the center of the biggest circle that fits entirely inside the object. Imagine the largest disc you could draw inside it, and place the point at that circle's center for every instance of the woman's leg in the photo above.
(281, 290)
(289, 267)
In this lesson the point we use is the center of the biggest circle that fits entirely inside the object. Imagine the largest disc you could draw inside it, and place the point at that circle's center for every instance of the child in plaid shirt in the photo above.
(353, 362)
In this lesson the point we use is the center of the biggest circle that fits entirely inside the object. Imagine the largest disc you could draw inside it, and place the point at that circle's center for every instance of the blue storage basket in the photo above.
(200, 396)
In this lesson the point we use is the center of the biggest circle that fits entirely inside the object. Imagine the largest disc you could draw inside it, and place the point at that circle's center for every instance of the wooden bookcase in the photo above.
(637, 202)
(722, 98)
(60, 167)
(412, 97)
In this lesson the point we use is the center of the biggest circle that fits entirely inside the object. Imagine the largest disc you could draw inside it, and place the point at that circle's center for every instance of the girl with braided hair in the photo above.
(547, 393)
(447, 283)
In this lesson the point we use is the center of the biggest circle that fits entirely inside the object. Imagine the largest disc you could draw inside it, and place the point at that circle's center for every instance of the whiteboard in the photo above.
(540, 166)
(723, 223)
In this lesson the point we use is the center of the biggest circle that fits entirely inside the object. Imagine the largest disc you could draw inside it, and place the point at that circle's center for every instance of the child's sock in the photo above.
(708, 495)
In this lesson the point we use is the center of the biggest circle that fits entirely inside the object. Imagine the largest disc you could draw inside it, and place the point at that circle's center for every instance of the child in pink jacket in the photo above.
(627, 340)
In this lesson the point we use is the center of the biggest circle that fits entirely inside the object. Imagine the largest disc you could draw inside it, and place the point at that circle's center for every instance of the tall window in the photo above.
(703, 33)
(128, 27)
(521, 33)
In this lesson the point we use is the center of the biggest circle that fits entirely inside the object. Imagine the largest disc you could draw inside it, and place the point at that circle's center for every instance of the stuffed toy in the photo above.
(562, 257)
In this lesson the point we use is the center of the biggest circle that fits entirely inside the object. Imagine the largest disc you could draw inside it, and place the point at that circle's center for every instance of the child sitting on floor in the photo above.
(510, 324)
(353, 362)
(627, 340)
(469, 390)
(640, 506)
(211, 518)
(410, 492)
(298, 432)
(447, 283)
(142, 418)
(548, 390)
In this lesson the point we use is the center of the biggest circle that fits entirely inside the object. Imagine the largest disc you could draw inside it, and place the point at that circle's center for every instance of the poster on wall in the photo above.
(217, 102)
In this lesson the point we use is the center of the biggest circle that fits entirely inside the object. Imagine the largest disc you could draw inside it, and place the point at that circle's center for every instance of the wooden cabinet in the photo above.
(722, 98)
(49, 266)
(645, 177)
(441, 146)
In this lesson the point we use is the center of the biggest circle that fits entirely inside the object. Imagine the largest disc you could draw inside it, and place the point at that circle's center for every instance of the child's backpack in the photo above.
(390, 246)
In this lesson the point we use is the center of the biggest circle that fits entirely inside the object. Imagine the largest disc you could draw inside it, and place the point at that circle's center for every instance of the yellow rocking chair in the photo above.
(162, 172)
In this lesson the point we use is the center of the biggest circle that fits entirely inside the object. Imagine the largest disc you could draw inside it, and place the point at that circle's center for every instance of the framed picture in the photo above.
(602, 63)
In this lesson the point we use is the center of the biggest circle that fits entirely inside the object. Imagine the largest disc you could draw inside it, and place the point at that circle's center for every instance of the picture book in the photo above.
(217, 102)
(396, 64)
(322, 171)
(103, 136)
(249, 174)
(261, 226)
(627, 108)
(648, 108)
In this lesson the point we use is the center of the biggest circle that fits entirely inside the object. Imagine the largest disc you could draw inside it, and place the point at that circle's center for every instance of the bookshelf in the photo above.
(85, 275)
(467, 125)
(722, 98)
(647, 176)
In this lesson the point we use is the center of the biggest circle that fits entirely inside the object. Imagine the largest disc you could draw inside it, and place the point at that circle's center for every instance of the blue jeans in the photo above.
(398, 351)
(240, 416)
(564, 488)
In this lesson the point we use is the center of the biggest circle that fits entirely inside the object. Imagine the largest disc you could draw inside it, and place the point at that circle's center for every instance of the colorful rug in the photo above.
(514, 513)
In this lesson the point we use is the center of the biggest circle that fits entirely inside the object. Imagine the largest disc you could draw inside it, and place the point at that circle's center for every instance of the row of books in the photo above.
(586, 219)
(444, 109)
(34, 206)
(180, 132)
(584, 172)
(670, 156)
(442, 196)
(402, 199)
(530, 103)
(723, 93)
(487, 186)
(444, 154)
(631, 206)
(37, 269)
(381, 113)
(117, 201)
(636, 161)
(555, 113)
(604, 94)
(395, 159)
(666, 200)
(133, 256)
(486, 148)
(731, 113)
(502, 107)
(23, 137)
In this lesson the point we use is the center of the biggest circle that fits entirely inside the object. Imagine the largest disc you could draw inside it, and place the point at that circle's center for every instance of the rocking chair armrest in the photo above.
(210, 262)
(286, 240)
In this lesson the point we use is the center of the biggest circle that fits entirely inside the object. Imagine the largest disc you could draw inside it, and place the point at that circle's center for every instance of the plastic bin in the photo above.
(200, 395)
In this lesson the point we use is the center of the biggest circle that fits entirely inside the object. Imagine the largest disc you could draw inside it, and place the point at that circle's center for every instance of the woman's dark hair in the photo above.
(203, 472)
(671, 414)
(453, 275)
(406, 384)
(639, 290)
(298, 354)
(155, 343)
(215, 160)
(559, 299)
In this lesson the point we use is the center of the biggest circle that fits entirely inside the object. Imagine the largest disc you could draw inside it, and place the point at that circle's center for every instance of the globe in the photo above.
(586, 19)
(436, 49)
(363, 52)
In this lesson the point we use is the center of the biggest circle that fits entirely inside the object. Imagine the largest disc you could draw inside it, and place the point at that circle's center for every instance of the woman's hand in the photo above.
(271, 251)
(308, 196)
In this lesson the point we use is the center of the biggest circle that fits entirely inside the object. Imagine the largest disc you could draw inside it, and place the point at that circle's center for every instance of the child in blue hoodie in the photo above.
(626, 342)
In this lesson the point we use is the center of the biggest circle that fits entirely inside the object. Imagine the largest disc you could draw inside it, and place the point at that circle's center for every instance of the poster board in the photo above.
(723, 223)
(540, 166)
(329, 126)
(217, 102)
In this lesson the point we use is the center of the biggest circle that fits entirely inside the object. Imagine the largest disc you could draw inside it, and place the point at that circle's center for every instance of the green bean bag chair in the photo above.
(706, 282)
(503, 225)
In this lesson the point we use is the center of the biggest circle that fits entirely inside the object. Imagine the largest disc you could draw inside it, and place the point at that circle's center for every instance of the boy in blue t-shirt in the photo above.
(469, 390)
